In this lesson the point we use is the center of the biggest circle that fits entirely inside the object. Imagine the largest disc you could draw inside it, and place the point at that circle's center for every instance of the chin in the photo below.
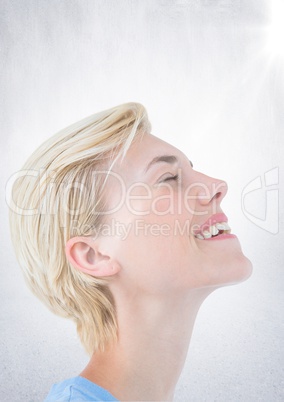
(236, 271)
(232, 266)
(245, 269)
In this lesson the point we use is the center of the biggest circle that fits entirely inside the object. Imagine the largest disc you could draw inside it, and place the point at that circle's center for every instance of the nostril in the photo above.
(220, 189)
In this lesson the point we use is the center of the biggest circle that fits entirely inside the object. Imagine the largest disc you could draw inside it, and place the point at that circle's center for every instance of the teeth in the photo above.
(222, 226)
(207, 234)
(199, 236)
(213, 230)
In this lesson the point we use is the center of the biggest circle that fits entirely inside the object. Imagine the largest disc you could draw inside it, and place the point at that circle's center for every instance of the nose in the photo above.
(210, 189)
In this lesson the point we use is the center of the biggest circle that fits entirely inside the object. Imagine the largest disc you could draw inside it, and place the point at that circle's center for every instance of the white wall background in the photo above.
(211, 87)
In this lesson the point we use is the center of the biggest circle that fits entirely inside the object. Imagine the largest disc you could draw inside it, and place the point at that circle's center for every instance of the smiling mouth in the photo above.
(214, 231)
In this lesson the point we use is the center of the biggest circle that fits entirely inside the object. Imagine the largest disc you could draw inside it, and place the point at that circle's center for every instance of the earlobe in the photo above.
(83, 254)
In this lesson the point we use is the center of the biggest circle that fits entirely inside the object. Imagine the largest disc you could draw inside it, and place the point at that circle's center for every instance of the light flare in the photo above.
(276, 29)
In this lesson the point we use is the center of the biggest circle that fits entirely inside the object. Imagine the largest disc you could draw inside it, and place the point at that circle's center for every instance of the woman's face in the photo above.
(160, 216)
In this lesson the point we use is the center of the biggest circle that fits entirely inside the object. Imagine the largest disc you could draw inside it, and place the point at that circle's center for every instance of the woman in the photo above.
(114, 229)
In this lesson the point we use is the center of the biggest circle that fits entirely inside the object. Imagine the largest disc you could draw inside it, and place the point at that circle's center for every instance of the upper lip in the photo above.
(216, 218)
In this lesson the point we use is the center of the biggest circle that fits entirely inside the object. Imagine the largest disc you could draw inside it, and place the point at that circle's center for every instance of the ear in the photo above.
(82, 252)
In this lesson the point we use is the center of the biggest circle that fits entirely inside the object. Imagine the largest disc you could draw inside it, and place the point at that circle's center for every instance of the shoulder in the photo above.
(78, 389)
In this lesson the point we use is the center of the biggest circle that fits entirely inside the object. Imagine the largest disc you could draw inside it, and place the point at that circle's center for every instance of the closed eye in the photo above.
(175, 178)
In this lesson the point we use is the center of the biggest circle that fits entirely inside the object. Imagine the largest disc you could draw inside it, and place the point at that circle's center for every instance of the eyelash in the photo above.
(175, 178)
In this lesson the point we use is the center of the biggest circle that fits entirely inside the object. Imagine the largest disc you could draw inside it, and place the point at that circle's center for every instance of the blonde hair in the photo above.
(42, 220)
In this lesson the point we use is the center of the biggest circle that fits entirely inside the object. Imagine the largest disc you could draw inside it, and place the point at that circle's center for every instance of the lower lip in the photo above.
(222, 237)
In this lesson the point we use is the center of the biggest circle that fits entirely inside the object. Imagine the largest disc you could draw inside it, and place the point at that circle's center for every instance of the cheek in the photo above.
(156, 263)
(164, 205)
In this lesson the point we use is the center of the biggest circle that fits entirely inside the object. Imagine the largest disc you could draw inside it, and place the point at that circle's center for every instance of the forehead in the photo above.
(142, 151)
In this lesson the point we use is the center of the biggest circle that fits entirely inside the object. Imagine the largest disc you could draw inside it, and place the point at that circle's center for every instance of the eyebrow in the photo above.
(163, 158)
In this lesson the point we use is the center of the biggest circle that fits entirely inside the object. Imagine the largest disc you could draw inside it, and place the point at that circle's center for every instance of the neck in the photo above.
(153, 341)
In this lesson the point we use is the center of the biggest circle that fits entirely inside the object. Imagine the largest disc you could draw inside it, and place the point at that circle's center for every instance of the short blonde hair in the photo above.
(41, 222)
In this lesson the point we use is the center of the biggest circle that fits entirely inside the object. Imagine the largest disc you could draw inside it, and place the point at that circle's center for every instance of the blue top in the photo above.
(78, 389)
